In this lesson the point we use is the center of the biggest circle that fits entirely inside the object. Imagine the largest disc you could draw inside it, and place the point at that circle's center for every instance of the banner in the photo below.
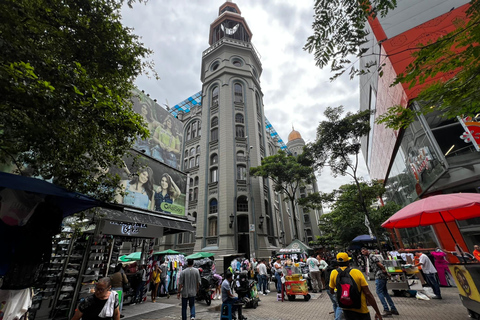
(166, 131)
(151, 185)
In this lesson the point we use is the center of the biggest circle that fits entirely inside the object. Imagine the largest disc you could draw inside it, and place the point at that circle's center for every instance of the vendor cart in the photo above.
(295, 285)
(404, 279)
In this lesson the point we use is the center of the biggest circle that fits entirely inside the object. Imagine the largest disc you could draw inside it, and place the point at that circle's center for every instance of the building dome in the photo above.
(294, 135)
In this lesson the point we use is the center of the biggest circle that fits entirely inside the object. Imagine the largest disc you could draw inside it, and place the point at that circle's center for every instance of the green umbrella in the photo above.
(124, 258)
(169, 251)
(200, 255)
(134, 256)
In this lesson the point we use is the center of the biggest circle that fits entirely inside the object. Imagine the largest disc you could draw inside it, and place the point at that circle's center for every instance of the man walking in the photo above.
(163, 279)
(278, 274)
(315, 273)
(188, 286)
(430, 273)
(262, 274)
(362, 285)
(381, 278)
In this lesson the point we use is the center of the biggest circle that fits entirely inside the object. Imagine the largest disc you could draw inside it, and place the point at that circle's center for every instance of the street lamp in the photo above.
(262, 218)
(282, 235)
(231, 220)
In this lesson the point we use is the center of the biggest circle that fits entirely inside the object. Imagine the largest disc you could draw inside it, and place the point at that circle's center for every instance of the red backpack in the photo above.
(348, 295)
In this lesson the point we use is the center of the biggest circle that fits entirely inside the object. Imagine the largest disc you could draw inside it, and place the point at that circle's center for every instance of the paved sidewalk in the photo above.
(319, 307)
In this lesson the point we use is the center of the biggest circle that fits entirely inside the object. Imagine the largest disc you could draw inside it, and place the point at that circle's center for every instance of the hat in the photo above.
(343, 257)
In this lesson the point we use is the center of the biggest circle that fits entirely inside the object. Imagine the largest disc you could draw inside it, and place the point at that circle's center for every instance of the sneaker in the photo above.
(63, 296)
(71, 271)
(67, 288)
(436, 297)
(386, 313)
(192, 318)
(71, 279)
(395, 312)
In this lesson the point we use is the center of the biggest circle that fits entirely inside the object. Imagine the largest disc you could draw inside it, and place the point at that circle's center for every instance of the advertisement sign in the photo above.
(166, 132)
(128, 229)
(472, 131)
(151, 185)
(464, 281)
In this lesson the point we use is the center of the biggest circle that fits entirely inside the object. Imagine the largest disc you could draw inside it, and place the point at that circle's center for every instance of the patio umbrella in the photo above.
(364, 238)
(436, 209)
(123, 258)
(169, 251)
(134, 256)
(200, 255)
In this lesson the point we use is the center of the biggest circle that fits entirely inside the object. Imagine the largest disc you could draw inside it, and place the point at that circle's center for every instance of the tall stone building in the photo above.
(226, 133)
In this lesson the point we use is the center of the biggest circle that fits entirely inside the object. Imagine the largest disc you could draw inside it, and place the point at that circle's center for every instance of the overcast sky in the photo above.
(296, 92)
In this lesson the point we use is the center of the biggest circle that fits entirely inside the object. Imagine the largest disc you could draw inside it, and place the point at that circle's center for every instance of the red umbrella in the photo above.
(436, 209)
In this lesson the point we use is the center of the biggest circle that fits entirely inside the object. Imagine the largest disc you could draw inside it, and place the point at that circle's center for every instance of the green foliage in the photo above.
(456, 53)
(66, 73)
(339, 31)
(288, 174)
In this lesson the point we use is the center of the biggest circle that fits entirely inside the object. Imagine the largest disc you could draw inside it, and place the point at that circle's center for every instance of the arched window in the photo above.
(191, 182)
(241, 172)
(238, 92)
(212, 227)
(192, 152)
(197, 161)
(213, 207)
(194, 129)
(215, 97)
(198, 149)
(214, 175)
(186, 153)
(241, 156)
(192, 163)
(214, 158)
(239, 118)
(260, 132)
(239, 131)
(195, 194)
(189, 133)
(199, 128)
(194, 215)
(267, 208)
(185, 164)
(258, 104)
(242, 204)
(190, 195)
(196, 181)
(214, 134)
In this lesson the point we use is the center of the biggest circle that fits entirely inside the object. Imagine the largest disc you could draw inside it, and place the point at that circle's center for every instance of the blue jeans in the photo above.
(279, 282)
(432, 281)
(164, 283)
(191, 303)
(263, 283)
(139, 293)
(382, 293)
(232, 301)
(336, 308)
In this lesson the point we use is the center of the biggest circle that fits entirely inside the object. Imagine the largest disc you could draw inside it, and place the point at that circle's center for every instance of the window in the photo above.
(198, 149)
(185, 164)
(241, 156)
(239, 118)
(199, 128)
(258, 104)
(214, 175)
(214, 158)
(189, 133)
(239, 132)
(260, 133)
(241, 172)
(212, 227)
(197, 161)
(237, 62)
(242, 204)
(195, 194)
(192, 163)
(215, 66)
(214, 134)
(214, 122)
(213, 207)
(191, 182)
(215, 97)
(196, 181)
(192, 152)
(190, 195)
(194, 215)
(193, 130)
(306, 218)
(186, 153)
(238, 92)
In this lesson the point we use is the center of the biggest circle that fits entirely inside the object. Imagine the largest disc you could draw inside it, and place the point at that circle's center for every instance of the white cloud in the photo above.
(296, 92)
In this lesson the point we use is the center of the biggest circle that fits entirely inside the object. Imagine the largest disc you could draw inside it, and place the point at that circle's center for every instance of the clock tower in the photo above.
(234, 209)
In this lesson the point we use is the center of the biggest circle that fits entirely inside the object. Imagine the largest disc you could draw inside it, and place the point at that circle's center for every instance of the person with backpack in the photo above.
(337, 311)
(381, 278)
(352, 291)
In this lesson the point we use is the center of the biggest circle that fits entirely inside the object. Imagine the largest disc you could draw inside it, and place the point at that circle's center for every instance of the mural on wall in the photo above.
(166, 132)
(151, 185)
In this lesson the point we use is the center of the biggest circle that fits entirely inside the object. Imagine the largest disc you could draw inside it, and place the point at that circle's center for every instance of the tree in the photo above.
(66, 75)
(346, 220)
(339, 32)
(338, 147)
(456, 53)
(288, 175)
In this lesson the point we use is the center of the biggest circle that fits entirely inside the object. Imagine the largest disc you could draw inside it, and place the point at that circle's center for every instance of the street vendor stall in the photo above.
(442, 209)
(296, 250)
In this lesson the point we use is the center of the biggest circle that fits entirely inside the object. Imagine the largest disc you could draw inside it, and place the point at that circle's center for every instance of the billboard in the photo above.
(166, 131)
(151, 185)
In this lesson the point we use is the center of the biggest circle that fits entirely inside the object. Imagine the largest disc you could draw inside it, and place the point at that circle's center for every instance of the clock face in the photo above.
(230, 31)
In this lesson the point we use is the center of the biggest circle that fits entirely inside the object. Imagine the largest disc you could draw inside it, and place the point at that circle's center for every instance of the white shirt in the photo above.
(427, 265)
(262, 269)
(312, 264)
(278, 267)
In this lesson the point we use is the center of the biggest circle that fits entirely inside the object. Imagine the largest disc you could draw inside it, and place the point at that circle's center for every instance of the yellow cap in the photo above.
(343, 257)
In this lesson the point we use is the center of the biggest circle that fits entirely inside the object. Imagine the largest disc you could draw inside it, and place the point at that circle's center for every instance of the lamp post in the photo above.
(282, 235)
(231, 220)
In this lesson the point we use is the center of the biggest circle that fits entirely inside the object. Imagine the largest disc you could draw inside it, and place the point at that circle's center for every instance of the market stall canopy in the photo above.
(134, 256)
(200, 255)
(296, 246)
(364, 238)
(168, 251)
(436, 209)
(69, 202)
(123, 258)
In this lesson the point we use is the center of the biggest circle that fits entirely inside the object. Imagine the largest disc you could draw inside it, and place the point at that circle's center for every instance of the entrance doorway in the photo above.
(244, 244)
